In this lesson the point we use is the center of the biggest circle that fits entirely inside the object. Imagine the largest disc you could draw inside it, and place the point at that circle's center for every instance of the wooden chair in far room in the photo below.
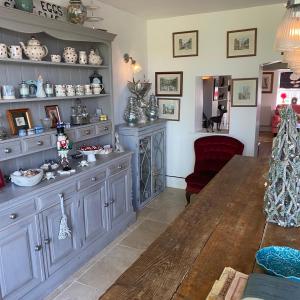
(212, 153)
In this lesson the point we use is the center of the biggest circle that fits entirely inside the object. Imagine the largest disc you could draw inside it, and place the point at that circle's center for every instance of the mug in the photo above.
(55, 58)
(82, 57)
(87, 89)
(60, 90)
(70, 90)
(79, 90)
(8, 92)
(15, 52)
(3, 51)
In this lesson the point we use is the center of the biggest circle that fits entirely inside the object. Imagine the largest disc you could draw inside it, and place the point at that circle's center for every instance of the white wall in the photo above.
(211, 61)
(131, 38)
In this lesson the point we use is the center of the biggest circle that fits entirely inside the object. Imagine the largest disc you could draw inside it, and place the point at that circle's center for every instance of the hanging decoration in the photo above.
(282, 197)
(64, 230)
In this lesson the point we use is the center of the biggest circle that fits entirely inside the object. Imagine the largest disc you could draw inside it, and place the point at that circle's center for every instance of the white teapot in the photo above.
(34, 50)
(94, 58)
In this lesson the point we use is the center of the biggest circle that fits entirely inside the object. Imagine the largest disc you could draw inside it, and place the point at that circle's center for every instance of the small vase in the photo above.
(131, 114)
(76, 12)
(25, 5)
(152, 110)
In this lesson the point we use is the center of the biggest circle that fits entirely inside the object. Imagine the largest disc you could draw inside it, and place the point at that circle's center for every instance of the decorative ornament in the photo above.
(64, 230)
(119, 147)
(63, 146)
(283, 97)
(282, 196)
(40, 93)
(76, 12)
(131, 113)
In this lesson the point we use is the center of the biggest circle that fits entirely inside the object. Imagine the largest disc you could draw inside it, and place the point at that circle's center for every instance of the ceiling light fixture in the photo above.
(288, 35)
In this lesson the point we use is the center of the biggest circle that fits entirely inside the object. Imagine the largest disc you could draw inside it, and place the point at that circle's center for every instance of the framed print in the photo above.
(169, 109)
(52, 112)
(19, 119)
(267, 82)
(168, 83)
(185, 43)
(241, 43)
(244, 92)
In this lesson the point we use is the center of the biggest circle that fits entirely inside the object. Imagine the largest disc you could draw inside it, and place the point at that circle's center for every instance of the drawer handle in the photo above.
(112, 201)
(13, 216)
(87, 132)
(93, 178)
(38, 248)
(46, 241)
(120, 167)
(7, 150)
(105, 128)
(40, 143)
(106, 204)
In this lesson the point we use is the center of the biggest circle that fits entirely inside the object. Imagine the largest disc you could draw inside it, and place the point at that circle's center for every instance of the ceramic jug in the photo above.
(94, 58)
(70, 56)
(34, 50)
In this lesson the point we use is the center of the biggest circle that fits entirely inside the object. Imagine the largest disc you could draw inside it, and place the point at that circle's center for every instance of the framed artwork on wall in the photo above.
(168, 83)
(19, 119)
(185, 43)
(241, 43)
(52, 112)
(169, 109)
(267, 82)
(244, 92)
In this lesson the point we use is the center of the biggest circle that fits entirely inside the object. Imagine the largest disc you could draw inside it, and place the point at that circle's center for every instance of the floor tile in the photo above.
(78, 291)
(167, 215)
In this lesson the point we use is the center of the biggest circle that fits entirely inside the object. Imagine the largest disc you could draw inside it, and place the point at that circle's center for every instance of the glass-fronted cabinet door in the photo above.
(158, 162)
(145, 168)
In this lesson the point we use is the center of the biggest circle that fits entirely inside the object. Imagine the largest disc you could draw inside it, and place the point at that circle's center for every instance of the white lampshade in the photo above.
(288, 32)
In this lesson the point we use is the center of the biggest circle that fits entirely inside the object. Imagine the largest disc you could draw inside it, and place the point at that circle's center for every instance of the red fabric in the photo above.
(212, 153)
(276, 117)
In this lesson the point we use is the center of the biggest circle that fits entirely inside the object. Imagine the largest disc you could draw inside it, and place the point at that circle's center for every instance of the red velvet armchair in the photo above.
(212, 153)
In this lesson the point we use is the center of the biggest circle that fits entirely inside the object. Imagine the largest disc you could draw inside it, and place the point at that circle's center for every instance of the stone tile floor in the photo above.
(97, 275)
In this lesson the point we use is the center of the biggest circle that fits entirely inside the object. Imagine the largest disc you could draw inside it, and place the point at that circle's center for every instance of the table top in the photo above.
(224, 227)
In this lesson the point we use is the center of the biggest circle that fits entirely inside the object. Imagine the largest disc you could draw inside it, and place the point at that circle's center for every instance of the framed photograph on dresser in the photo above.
(19, 119)
(52, 112)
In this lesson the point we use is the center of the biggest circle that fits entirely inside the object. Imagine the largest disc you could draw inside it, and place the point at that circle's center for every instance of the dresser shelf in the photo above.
(22, 100)
(50, 63)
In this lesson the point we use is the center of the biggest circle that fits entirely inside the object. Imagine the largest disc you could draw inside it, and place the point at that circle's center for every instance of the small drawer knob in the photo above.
(7, 150)
(40, 143)
(105, 128)
(106, 204)
(112, 201)
(119, 167)
(87, 132)
(13, 216)
(46, 241)
(93, 178)
(38, 248)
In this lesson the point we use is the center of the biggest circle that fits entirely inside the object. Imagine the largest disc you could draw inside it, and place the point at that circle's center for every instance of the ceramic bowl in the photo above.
(20, 180)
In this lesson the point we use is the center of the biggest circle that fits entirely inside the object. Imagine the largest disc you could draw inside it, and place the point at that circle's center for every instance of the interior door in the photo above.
(21, 260)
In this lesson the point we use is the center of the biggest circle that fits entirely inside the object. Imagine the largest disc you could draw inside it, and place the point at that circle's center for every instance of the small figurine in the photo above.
(84, 163)
(63, 146)
(119, 147)
(49, 175)
(40, 93)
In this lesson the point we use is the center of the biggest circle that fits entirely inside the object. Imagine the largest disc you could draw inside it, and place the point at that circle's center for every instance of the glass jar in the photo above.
(76, 12)
(24, 90)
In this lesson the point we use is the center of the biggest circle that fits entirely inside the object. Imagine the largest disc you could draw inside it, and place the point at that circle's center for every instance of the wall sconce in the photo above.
(135, 66)
(128, 58)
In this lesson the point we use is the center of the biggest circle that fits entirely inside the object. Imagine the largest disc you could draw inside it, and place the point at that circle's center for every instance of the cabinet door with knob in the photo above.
(21, 259)
(59, 252)
(94, 212)
(119, 196)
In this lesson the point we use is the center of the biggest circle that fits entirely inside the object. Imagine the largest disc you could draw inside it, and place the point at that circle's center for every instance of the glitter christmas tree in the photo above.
(282, 199)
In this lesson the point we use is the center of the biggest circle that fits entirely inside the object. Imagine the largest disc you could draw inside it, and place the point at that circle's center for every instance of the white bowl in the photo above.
(26, 180)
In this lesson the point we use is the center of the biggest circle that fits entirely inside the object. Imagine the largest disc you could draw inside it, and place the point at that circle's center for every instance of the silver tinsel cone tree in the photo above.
(282, 199)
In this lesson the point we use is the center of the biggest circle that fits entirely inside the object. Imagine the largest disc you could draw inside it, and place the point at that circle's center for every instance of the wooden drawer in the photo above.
(118, 167)
(91, 179)
(36, 143)
(14, 214)
(71, 133)
(48, 199)
(10, 149)
(86, 132)
(102, 129)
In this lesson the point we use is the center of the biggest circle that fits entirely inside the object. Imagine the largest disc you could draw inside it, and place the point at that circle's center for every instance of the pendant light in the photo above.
(91, 18)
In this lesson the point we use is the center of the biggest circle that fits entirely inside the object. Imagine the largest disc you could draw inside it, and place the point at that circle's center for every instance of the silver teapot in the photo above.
(34, 50)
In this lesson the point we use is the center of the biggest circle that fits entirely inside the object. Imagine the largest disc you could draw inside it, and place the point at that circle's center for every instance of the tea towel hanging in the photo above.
(64, 230)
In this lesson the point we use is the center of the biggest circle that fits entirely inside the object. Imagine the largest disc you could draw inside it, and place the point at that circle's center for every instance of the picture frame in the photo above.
(242, 43)
(267, 82)
(19, 119)
(244, 92)
(52, 112)
(185, 43)
(168, 84)
(169, 109)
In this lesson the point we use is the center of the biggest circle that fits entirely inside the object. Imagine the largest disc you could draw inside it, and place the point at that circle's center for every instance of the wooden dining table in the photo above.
(223, 227)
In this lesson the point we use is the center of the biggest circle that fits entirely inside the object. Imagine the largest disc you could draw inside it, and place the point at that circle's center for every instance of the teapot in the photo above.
(94, 58)
(34, 49)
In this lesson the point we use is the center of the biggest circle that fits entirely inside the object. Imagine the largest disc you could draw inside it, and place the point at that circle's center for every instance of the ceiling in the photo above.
(153, 9)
